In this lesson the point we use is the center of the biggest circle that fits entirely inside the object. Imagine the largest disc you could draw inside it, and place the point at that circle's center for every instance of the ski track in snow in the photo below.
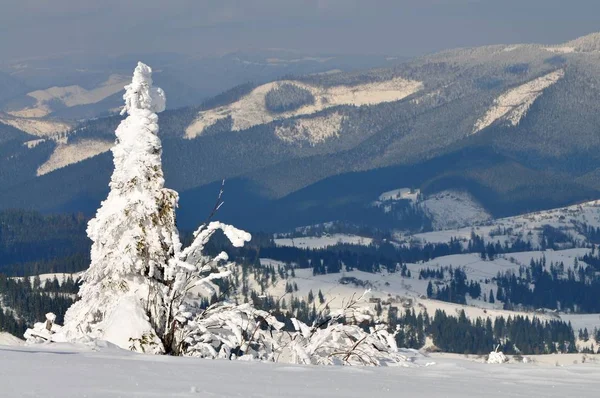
(251, 111)
(72, 371)
(514, 104)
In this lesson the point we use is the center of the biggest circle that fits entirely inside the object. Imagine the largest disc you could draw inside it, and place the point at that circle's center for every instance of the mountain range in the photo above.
(516, 127)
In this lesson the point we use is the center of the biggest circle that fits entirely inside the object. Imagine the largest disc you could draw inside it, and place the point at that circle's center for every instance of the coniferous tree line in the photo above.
(456, 290)
(287, 97)
(28, 236)
(552, 286)
(27, 300)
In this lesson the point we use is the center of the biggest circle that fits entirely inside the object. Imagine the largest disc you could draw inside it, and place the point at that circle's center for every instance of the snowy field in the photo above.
(69, 371)
(320, 242)
(527, 226)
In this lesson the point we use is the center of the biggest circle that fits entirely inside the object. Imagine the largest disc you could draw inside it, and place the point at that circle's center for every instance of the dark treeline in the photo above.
(456, 290)
(554, 286)
(459, 334)
(68, 265)
(27, 236)
(30, 300)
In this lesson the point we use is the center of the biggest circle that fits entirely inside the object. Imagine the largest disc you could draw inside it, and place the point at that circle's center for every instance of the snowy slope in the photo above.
(312, 130)
(513, 105)
(410, 292)
(70, 371)
(70, 96)
(454, 209)
(7, 339)
(69, 153)
(527, 226)
(251, 110)
(37, 127)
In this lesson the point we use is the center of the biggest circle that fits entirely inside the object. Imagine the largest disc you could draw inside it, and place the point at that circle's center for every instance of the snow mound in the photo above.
(251, 109)
(313, 130)
(513, 105)
(454, 209)
(128, 326)
(66, 154)
(9, 339)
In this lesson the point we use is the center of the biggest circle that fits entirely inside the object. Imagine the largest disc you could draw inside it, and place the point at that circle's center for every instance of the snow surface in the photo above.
(513, 105)
(7, 339)
(319, 242)
(251, 110)
(66, 154)
(79, 371)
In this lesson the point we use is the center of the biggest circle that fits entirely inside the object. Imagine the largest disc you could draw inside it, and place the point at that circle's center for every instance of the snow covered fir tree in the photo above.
(143, 289)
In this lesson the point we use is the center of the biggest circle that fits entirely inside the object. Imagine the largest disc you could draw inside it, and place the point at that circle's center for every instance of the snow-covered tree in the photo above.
(139, 276)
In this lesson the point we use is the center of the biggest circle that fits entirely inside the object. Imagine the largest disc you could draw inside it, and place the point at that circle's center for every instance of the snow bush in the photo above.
(225, 330)
(335, 341)
(497, 357)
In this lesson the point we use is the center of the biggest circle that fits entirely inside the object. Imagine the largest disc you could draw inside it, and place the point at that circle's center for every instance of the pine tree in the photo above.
(134, 290)
(321, 297)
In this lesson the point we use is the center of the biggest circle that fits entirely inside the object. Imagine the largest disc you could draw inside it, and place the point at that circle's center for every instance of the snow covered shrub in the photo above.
(334, 341)
(230, 331)
(140, 274)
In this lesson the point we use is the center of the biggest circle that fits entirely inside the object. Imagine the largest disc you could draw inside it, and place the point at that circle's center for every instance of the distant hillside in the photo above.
(516, 126)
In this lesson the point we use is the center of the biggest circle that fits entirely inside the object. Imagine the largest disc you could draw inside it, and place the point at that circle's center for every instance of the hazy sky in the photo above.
(401, 27)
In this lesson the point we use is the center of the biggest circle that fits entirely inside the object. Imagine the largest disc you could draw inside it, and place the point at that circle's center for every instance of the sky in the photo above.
(39, 28)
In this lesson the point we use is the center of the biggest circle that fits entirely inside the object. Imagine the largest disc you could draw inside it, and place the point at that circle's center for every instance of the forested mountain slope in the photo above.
(517, 126)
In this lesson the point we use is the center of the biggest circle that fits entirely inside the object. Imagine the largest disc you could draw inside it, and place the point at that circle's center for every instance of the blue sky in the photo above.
(30, 28)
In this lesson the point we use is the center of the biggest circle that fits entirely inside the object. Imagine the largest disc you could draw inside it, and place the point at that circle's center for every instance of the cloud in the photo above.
(404, 27)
